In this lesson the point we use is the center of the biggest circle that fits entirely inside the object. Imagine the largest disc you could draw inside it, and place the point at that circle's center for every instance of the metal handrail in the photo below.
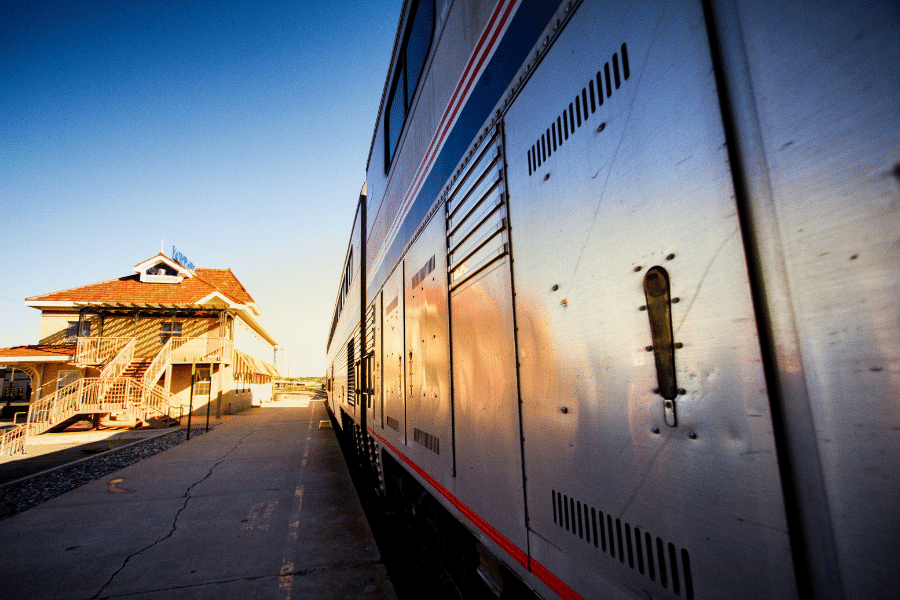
(50, 408)
(12, 441)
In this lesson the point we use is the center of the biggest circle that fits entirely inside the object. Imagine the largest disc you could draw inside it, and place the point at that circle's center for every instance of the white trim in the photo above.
(50, 304)
(10, 361)
(256, 326)
(181, 269)
(218, 295)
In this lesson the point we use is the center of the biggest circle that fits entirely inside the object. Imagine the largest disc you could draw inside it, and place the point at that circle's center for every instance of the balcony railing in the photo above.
(202, 350)
(95, 351)
(186, 350)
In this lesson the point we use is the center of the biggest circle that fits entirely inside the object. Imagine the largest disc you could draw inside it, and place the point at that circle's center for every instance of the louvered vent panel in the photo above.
(476, 213)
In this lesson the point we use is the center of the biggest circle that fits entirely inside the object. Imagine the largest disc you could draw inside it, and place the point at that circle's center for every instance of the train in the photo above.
(621, 298)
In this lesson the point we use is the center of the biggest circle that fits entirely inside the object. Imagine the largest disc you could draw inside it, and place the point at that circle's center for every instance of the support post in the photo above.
(364, 392)
(212, 370)
(191, 404)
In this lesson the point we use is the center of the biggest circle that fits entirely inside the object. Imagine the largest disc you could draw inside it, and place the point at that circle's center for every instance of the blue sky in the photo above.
(237, 132)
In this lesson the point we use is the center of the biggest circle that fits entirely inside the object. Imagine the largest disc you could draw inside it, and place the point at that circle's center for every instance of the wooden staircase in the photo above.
(136, 368)
(121, 388)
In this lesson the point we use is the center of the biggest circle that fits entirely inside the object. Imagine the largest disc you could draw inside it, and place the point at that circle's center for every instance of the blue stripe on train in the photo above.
(528, 23)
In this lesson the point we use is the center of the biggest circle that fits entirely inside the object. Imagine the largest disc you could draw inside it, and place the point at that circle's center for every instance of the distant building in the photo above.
(143, 338)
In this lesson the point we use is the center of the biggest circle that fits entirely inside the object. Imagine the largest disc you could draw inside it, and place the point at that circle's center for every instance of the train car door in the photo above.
(427, 351)
(393, 370)
(649, 454)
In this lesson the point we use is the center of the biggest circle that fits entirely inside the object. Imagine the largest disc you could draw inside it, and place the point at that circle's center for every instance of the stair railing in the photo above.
(12, 440)
(121, 360)
(159, 364)
(48, 411)
(155, 399)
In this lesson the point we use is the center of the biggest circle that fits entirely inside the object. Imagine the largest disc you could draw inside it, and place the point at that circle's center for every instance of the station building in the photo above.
(167, 336)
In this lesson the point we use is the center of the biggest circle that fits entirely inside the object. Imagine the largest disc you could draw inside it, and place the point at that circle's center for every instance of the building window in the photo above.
(202, 380)
(64, 378)
(168, 330)
(410, 64)
(72, 333)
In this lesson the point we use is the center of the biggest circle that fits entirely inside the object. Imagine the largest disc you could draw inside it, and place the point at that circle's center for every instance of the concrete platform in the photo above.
(260, 507)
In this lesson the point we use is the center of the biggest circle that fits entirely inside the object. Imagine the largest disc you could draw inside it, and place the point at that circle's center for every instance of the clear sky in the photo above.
(237, 132)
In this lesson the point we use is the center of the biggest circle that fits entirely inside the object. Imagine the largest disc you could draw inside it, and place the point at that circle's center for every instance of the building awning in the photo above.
(244, 364)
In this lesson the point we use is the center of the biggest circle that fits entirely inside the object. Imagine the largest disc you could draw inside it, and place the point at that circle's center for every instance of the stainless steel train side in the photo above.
(629, 296)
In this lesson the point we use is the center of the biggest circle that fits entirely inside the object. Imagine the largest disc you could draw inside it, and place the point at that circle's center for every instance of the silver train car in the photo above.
(622, 294)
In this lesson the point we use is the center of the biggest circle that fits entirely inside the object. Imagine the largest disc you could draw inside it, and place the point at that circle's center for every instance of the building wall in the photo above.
(54, 329)
(235, 396)
(51, 372)
(55, 325)
(147, 331)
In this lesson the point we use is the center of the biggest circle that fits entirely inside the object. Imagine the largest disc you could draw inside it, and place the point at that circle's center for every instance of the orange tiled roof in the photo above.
(131, 289)
(40, 350)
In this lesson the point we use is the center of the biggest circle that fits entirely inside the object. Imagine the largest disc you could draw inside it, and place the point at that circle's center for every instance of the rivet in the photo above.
(679, 345)
(555, 287)
(655, 390)
(681, 391)
(692, 435)
(601, 127)
(676, 300)
(564, 410)
(547, 176)
(637, 268)
(642, 308)
(655, 430)
(649, 348)
(670, 257)
(668, 404)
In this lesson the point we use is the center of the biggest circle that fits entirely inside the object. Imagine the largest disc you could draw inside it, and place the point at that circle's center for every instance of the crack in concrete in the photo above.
(299, 572)
(187, 498)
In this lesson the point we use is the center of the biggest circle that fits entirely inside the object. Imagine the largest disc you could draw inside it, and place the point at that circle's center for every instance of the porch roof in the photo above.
(36, 354)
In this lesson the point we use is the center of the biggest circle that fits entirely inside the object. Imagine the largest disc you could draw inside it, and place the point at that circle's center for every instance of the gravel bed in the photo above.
(21, 496)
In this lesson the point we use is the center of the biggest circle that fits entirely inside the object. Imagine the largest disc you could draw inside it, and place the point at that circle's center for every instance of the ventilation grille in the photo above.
(580, 109)
(431, 442)
(658, 560)
(351, 372)
(476, 213)
(393, 423)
